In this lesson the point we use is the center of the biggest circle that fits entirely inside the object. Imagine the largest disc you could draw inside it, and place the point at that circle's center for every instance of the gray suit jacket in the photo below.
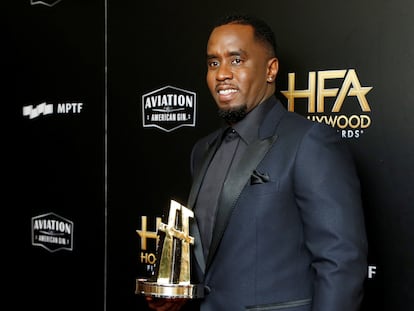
(289, 233)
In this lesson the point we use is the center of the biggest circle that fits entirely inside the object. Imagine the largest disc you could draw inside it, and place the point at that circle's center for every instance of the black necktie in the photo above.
(210, 190)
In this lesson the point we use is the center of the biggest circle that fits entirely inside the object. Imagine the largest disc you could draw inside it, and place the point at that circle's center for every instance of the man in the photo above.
(278, 215)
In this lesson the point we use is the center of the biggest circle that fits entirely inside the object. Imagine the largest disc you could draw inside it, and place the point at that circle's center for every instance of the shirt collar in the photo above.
(248, 128)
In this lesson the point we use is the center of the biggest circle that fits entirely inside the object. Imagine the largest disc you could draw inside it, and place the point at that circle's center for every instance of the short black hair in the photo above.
(262, 30)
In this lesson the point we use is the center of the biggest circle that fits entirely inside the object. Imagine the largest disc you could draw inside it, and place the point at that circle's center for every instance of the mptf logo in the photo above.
(45, 108)
(35, 111)
(350, 125)
(52, 232)
(169, 108)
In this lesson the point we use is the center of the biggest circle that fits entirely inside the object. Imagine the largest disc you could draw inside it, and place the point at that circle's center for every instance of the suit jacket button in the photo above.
(207, 290)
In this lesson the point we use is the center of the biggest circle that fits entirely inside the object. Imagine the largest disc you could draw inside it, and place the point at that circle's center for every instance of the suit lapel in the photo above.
(236, 180)
(211, 148)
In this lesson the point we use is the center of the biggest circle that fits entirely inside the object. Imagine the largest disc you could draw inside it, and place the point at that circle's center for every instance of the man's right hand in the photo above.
(165, 304)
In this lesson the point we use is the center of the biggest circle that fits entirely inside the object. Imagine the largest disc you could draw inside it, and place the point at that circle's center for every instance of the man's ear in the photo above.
(272, 68)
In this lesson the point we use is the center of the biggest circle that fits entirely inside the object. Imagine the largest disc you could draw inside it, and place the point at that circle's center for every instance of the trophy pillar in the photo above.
(172, 277)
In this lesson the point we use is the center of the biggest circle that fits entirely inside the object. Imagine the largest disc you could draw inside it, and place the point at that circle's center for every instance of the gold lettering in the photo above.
(350, 87)
(291, 93)
(322, 92)
(145, 234)
(357, 90)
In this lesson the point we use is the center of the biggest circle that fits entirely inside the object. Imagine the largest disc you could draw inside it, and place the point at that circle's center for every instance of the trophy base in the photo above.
(158, 290)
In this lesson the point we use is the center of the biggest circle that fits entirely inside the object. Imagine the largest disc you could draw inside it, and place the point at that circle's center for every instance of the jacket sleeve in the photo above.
(327, 191)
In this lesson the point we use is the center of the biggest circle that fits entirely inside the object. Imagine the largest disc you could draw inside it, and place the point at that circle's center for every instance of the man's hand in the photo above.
(165, 304)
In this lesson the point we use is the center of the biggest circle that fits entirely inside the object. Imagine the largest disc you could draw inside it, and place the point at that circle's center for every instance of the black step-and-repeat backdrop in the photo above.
(53, 69)
(97, 156)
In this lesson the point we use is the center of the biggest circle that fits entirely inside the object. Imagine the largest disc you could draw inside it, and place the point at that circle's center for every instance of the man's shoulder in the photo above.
(292, 124)
(298, 120)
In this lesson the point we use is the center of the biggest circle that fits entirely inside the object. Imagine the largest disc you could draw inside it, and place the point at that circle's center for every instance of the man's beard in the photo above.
(233, 116)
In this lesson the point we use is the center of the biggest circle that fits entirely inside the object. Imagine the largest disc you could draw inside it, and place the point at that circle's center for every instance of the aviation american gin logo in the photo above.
(169, 108)
(52, 232)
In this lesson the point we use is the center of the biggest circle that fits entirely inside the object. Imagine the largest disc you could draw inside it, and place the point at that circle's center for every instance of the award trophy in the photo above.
(172, 271)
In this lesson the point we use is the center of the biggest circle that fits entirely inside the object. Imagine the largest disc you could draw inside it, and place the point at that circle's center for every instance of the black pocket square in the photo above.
(258, 178)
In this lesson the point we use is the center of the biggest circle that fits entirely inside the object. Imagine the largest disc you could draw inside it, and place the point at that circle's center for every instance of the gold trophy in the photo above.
(172, 273)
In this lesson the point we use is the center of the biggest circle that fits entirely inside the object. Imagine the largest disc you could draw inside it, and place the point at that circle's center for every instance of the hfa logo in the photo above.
(168, 108)
(147, 256)
(319, 96)
(45, 2)
(52, 232)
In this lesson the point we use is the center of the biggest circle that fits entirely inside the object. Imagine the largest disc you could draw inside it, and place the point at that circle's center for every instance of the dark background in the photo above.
(56, 161)
(104, 171)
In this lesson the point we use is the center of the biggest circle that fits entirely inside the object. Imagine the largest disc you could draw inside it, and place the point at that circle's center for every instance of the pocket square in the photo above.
(258, 178)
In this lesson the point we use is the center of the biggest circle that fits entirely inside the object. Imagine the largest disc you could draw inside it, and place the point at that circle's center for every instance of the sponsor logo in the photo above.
(372, 271)
(169, 108)
(45, 108)
(49, 3)
(148, 252)
(334, 97)
(33, 112)
(52, 232)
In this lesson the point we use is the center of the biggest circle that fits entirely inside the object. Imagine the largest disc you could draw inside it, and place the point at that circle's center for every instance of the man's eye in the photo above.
(237, 61)
(212, 64)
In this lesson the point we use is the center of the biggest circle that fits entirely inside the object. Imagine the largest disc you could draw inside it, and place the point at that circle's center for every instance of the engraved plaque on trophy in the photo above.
(172, 271)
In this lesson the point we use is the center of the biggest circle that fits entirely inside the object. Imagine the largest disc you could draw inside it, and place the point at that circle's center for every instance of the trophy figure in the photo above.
(172, 272)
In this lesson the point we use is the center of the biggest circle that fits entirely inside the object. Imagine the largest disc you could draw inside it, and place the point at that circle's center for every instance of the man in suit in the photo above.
(276, 197)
